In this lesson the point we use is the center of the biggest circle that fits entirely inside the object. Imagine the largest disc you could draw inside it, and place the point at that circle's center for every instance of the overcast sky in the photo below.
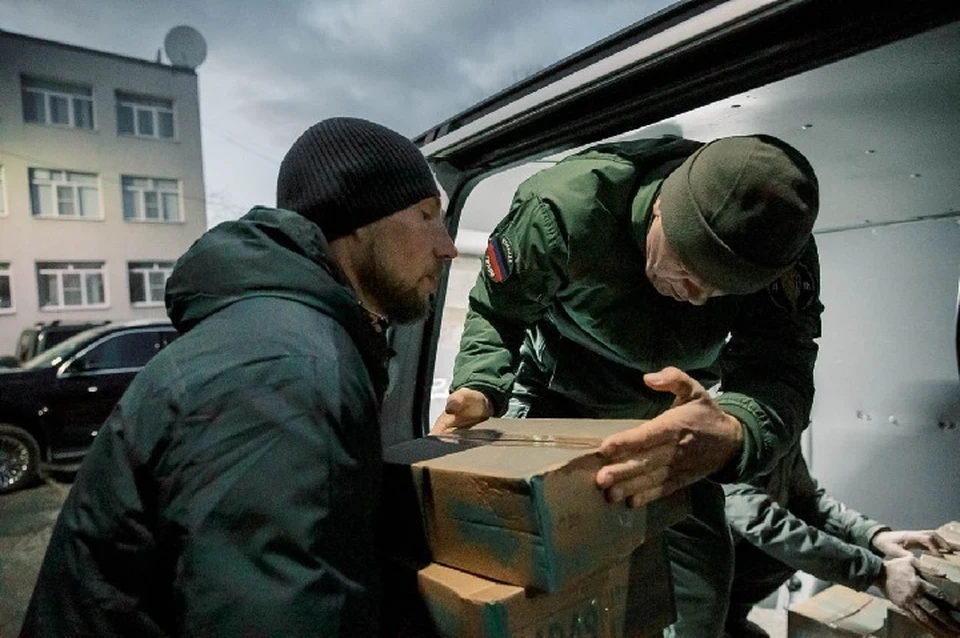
(274, 68)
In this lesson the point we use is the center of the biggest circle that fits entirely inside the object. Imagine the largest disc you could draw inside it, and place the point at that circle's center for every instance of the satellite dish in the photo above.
(185, 47)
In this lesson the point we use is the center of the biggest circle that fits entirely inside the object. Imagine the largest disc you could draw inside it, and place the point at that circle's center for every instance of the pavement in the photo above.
(26, 521)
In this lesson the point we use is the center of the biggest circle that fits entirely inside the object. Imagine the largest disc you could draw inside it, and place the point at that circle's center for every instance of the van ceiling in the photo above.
(881, 128)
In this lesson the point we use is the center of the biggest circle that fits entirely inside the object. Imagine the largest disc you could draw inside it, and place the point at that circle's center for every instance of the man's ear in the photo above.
(656, 207)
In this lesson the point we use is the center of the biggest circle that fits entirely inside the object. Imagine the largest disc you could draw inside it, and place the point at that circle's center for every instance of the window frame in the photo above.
(156, 266)
(141, 194)
(48, 94)
(6, 270)
(138, 104)
(55, 186)
(71, 269)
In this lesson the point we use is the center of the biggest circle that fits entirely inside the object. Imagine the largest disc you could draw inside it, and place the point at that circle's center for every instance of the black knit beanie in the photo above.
(740, 211)
(344, 173)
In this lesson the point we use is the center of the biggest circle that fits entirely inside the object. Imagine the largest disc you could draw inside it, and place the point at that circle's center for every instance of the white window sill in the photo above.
(69, 308)
(154, 221)
(134, 136)
(64, 127)
(8, 311)
(147, 304)
(67, 218)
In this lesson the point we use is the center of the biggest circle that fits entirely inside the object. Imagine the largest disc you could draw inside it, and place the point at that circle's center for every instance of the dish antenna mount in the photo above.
(185, 47)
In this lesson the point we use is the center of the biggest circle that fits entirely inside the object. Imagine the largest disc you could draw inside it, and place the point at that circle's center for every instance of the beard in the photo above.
(400, 301)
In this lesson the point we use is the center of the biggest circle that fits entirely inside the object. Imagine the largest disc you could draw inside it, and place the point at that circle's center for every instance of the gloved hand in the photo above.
(465, 408)
(688, 442)
(901, 582)
(900, 543)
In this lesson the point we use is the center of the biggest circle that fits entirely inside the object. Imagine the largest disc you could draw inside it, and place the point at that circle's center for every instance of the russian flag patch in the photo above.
(498, 259)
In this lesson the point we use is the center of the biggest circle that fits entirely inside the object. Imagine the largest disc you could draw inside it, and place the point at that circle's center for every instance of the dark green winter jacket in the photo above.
(234, 489)
(563, 290)
(788, 516)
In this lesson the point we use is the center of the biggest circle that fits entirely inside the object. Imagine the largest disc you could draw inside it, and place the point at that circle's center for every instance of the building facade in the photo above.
(101, 183)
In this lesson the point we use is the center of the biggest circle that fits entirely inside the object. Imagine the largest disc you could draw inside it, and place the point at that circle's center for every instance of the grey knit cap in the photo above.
(344, 173)
(740, 211)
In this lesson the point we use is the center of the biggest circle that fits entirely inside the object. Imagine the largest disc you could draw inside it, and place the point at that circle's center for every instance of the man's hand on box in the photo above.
(900, 543)
(465, 408)
(688, 442)
(901, 583)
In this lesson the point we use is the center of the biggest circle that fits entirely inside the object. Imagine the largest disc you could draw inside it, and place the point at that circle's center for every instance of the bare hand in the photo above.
(900, 543)
(901, 583)
(688, 442)
(465, 408)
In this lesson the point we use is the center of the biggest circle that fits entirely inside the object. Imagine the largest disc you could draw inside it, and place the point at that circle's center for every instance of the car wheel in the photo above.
(19, 458)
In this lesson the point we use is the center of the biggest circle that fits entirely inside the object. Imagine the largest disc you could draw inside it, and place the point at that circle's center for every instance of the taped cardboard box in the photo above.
(838, 612)
(633, 598)
(525, 514)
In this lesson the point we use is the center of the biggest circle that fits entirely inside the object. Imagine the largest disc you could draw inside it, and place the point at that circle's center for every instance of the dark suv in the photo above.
(52, 406)
(43, 336)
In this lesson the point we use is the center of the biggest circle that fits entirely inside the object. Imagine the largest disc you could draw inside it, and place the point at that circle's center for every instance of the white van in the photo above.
(870, 93)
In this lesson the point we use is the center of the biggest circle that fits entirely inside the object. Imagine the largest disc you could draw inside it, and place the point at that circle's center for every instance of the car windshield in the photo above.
(55, 356)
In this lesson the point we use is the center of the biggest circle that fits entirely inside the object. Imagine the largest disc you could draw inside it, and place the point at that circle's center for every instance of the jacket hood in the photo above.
(273, 253)
(267, 252)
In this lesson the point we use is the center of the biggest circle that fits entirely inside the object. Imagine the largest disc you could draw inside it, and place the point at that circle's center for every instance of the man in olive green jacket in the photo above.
(625, 280)
(784, 521)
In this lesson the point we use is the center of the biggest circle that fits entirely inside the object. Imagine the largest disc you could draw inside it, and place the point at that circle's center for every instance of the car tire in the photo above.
(19, 458)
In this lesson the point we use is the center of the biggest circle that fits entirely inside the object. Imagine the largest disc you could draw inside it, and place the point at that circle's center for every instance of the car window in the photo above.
(122, 351)
(54, 337)
(55, 356)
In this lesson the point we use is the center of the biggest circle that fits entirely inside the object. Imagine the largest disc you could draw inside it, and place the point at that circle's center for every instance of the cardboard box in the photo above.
(901, 625)
(523, 514)
(951, 533)
(632, 598)
(949, 565)
(838, 612)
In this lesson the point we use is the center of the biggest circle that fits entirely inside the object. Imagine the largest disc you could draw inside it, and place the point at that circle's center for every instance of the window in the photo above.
(6, 289)
(151, 199)
(144, 116)
(148, 281)
(71, 285)
(125, 351)
(57, 103)
(64, 194)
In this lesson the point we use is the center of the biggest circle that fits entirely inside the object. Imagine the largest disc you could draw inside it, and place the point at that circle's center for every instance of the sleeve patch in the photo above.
(795, 290)
(498, 260)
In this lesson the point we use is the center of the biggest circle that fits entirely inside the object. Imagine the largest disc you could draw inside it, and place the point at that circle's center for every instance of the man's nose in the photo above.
(446, 250)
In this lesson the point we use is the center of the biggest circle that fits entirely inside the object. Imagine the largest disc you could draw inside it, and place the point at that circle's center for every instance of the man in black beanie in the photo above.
(234, 490)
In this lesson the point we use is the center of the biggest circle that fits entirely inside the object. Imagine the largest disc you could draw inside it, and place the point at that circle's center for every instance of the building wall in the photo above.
(25, 240)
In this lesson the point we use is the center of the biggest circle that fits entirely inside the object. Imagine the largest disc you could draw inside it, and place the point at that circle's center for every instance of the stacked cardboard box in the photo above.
(514, 538)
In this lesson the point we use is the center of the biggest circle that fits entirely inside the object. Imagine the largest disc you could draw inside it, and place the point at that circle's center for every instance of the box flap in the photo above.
(841, 608)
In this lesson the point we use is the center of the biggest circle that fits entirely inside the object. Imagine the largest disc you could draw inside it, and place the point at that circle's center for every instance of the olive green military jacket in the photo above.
(563, 289)
(788, 516)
